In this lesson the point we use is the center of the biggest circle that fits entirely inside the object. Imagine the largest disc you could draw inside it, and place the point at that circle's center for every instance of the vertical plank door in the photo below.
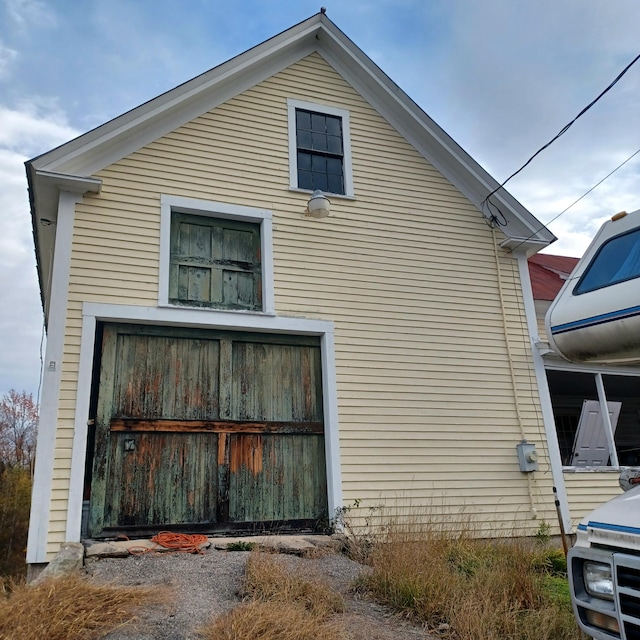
(207, 430)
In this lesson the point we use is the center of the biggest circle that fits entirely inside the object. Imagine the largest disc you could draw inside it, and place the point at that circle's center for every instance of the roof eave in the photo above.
(104, 145)
(128, 132)
(44, 191)
(526, 246)
(444, 153)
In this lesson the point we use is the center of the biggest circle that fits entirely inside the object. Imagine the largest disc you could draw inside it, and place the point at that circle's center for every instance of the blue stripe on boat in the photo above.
(596, 320)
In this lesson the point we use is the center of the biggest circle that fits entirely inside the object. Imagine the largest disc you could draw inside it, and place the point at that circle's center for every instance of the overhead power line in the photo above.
(586, 193)
(496, 217)
(597, 184)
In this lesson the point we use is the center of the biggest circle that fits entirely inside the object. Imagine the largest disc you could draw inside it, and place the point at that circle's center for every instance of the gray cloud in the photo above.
(23, 133)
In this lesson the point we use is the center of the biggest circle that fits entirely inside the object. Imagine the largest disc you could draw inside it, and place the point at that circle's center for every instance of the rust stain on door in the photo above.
(207, 428)
(246, 452)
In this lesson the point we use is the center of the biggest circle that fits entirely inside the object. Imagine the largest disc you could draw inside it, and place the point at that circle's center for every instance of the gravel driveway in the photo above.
(207, 585)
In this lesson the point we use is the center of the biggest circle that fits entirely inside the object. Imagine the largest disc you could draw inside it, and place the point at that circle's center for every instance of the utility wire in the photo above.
(493, 219)
(586, 193)
(597, 184)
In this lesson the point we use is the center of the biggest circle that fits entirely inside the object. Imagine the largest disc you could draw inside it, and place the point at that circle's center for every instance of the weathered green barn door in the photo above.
(204, 430)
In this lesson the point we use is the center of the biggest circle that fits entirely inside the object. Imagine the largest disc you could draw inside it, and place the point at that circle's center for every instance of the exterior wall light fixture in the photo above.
(318, 205)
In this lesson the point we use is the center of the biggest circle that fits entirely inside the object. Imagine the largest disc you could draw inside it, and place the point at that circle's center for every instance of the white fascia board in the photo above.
(67, 182)
(527, 245)
(431, 141)
(47, 186)
(45, 189)
(131, 131)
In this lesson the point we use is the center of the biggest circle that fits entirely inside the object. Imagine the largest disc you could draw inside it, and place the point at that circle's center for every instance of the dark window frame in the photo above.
(320, 151)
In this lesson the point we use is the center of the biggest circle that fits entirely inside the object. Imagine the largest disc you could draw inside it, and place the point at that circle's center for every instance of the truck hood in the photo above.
(615, 523)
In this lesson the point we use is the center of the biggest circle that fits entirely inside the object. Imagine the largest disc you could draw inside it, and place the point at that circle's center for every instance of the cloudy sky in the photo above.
(502, 77)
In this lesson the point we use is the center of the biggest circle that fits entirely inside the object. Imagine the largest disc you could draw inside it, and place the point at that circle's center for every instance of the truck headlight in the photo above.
(598, 579)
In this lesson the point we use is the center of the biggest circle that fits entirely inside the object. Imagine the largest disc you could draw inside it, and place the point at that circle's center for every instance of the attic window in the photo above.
(319, 148)
(319, 151)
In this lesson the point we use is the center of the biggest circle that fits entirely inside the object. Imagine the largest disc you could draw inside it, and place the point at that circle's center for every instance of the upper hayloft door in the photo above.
(207, 430)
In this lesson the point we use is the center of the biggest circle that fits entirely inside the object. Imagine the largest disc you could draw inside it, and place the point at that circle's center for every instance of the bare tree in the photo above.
(18, 429)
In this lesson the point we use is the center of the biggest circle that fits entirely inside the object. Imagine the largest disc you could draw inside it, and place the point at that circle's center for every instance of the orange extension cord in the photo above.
(177, 542)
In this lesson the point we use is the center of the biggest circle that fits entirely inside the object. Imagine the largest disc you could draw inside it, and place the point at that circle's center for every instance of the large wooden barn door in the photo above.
(204, 430)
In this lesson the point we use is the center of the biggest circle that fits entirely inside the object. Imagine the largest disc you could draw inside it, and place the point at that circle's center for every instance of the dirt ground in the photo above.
(204, 586)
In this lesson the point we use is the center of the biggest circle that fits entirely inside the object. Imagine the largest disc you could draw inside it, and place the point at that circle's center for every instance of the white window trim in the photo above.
(292, 105)
(94, 312)
(263, 217)
(608, 430)
(597, 371)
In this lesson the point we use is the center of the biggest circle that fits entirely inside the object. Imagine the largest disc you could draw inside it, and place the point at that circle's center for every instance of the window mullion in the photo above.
(606, 420)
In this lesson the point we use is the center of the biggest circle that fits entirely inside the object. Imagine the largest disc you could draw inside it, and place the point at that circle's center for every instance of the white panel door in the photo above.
(590, 446)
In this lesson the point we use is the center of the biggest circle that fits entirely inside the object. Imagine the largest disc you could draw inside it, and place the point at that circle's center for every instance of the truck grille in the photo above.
(627, 572)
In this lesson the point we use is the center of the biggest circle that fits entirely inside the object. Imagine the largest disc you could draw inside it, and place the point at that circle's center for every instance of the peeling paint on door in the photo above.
(207, 429)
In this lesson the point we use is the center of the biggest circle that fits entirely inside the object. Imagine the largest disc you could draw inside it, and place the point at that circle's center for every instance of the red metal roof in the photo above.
(548, 274)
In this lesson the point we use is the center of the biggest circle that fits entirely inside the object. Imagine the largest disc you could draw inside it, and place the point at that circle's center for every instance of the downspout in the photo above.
(553, 448)
(532, 509)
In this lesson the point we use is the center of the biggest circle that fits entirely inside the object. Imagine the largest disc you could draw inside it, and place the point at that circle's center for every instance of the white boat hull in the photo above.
(601, 324)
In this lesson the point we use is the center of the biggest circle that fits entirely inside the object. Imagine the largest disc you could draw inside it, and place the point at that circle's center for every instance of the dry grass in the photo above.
(481, 590)
(268, 579)
(69, 608)
(272, 621)
(286, 604)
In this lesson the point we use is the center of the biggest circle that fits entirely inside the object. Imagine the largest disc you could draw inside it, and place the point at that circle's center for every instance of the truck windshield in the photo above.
(617, 260)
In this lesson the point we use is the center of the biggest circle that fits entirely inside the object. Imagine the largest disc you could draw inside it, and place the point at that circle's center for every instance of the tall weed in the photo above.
(476, 589)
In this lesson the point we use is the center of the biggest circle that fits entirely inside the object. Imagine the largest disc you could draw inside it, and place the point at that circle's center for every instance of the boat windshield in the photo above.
(617, 260)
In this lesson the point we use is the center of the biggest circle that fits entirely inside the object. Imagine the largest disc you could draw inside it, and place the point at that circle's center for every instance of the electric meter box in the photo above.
(527, 456)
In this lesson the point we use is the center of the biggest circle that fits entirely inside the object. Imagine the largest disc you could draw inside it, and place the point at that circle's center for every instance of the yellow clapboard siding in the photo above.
(588, 490)
(406, 271)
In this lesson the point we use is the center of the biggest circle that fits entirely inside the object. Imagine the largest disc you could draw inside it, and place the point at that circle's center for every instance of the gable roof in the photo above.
(70, 166)
(548, 274)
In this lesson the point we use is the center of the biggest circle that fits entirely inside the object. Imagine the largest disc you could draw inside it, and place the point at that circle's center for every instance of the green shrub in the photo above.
(240, 545)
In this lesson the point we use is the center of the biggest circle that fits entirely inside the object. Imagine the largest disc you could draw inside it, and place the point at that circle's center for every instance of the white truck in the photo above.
(596, 319)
